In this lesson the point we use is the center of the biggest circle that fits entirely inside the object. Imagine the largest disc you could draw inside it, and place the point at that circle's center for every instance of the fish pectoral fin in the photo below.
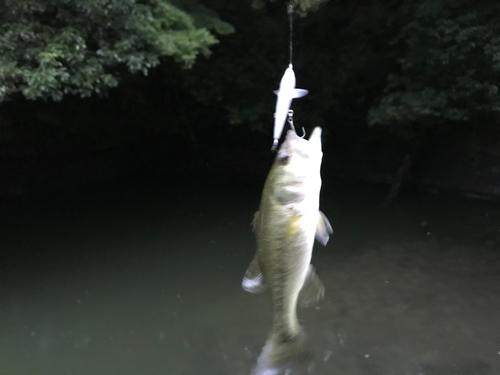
(312, 291)
(255, 221)
(323, 229)
(253, 281)
(299, 93)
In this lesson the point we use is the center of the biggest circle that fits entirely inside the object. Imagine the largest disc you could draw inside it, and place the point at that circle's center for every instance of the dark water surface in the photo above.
(142, 276)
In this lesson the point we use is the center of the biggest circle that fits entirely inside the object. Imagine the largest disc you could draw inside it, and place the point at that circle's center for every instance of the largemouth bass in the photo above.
(286, 225)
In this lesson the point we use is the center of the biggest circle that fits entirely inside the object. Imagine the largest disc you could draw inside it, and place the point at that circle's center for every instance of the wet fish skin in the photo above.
(286, 225)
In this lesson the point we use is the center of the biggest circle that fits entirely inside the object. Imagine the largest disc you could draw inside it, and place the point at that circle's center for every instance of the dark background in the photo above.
(219, 114)
(125, 219)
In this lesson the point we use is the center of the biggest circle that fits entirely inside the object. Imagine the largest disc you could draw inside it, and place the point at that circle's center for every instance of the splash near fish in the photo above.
(286, 225)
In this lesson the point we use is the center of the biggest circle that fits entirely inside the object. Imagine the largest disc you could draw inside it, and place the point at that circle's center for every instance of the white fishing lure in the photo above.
(286, 93)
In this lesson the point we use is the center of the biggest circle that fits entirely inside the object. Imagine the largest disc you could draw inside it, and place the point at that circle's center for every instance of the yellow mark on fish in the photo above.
(293, 226)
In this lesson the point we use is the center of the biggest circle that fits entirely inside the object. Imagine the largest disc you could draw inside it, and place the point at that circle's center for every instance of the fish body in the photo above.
(286, 225)
(286, 93)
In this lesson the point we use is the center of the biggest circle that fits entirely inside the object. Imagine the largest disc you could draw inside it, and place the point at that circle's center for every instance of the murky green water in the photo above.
(143, 277)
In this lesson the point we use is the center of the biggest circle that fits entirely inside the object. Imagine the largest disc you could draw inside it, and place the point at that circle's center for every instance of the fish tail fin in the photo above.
(282, 356)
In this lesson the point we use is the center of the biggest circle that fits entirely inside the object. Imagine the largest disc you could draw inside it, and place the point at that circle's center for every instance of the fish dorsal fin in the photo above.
(312, 291)
(323, 229)
(255, 222)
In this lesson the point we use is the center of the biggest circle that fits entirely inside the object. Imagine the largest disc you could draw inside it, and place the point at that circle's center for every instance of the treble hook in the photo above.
(290, 121)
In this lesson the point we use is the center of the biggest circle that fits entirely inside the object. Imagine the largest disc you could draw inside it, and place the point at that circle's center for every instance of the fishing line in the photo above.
(287, 90)
(290, 18)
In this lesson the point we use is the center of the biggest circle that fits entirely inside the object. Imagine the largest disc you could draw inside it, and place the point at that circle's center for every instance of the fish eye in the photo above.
(283, 159)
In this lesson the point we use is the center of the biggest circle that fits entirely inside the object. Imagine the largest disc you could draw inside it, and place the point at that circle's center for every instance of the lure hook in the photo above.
(290, 121)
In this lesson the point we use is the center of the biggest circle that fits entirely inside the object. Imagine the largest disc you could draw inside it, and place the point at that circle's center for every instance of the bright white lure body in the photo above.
(286, 93)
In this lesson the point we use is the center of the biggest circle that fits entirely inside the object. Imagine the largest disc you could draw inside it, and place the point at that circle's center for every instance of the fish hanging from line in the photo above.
(286, 93)
(286, 225)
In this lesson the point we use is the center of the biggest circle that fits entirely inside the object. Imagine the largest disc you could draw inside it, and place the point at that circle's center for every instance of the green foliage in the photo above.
(305, 6)
(347, 70)
(300, 6)
(341, 55)
(50, 48)
(245, 67)
(451, 67)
